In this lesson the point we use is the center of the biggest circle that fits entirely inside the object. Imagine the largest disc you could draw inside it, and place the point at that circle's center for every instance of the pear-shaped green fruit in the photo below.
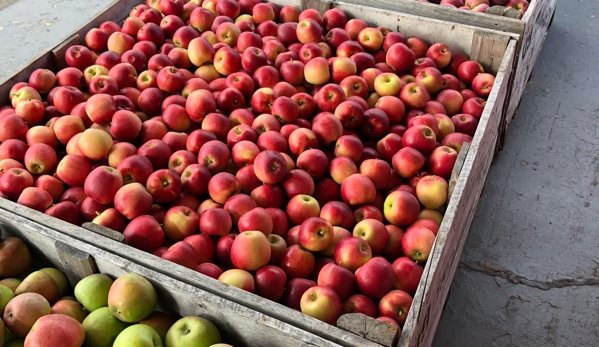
(139, 335)
(6, 295)
(192, 332)
(132, 298)
(59, 277)
(92, 291)
(102, 328)
(41, 283)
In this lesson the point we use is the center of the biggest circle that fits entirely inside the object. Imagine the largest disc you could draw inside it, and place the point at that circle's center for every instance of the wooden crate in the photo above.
(239, 325)
(532, 29)
(497, 53)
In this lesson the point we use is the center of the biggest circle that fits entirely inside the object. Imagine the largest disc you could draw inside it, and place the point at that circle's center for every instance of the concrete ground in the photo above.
(529, 271)
(5, 3)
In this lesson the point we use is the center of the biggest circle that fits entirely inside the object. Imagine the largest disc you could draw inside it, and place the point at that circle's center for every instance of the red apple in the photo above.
(401, 208)
(396, 305)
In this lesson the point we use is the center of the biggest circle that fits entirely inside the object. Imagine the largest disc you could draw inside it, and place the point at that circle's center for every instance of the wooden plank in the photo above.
(77, 264)
(104, 231)
(239, 325)
(457, 169)
(320, 5)
(429, 299)
(538, 18)
(488, 49)
(370, 328)
(435, 11)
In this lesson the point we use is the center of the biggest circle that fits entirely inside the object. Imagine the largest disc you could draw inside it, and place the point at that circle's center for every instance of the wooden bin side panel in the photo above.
(435, 11)
(434, 286)
(240, 325)
(537, 20)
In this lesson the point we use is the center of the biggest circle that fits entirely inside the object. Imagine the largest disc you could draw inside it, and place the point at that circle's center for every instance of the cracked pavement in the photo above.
(529, 273)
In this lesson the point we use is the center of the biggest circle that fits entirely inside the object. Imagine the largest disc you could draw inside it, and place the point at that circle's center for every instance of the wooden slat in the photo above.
(239, 325)
(488, 48)
(321, 6)
(457, 169)
(429, 299)
(77, 264)
(370, 328)
(104, 231)
(435, 11)
(537, 18)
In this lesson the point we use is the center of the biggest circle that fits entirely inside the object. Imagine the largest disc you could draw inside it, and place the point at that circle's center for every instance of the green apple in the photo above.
(92, 291)
(60, 279)
(139, 335)
(132, 298)
(192, 332)
(6, 295)
(102, 328)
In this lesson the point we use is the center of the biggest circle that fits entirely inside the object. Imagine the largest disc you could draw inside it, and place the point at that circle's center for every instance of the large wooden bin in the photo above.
(239, 325)
(532, 29)
(494, 49)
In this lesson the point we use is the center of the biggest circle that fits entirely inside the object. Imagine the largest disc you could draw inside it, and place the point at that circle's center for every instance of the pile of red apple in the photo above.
(299, 156)
(481, 5)
(39, 308)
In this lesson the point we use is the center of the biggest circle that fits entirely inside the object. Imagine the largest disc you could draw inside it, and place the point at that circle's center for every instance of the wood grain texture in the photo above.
(432, 291)
(77, 264)
(239, 325)
(488, 49)
(457, 169)
(435, 11)
(104, 231)
(370, 328)
(319, 5)
(537, 18)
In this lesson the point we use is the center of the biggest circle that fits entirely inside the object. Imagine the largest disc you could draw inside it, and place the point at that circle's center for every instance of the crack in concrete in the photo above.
(487, 268)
